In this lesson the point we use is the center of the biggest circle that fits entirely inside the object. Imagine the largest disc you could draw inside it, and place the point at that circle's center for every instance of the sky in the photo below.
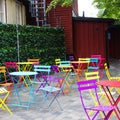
(87, 7)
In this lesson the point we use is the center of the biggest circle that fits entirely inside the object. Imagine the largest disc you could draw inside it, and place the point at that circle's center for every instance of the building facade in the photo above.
(12, 12)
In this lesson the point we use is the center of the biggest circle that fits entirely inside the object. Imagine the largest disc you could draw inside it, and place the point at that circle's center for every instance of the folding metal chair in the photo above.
(57, 61)
(3, 97)
(94, 75)
(87, 85)
(71, 58)
(93, 64)
(84, 63)
(64, 68)
(110, 77)
(48, 85)
(4, 82)
(43, 75)
(35, 61)
(101, 60)
(11, 67)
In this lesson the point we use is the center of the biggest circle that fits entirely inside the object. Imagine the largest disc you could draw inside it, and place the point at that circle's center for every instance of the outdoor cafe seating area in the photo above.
(32, 85)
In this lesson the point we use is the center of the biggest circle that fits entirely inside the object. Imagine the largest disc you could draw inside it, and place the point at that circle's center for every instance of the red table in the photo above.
(105, 84)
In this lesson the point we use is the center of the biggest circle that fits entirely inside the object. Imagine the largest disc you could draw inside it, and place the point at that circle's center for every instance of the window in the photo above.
(18, 13)
(2, 11)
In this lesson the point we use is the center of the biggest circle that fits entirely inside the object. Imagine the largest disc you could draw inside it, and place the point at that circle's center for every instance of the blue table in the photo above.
(19, 85)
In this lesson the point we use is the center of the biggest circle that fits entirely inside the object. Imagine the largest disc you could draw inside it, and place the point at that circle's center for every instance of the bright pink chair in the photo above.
(11, 67)
(91, 85)
(101, 60)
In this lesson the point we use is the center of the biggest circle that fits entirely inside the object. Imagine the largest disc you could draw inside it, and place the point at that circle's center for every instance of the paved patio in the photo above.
(70, 102)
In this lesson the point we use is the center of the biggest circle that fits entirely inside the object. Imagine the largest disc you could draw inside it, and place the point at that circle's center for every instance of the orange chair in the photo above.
(37, 60)
(4, 83)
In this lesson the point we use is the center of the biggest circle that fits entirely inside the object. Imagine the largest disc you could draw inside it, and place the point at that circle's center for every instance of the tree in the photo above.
(63, 3)
(108, 8)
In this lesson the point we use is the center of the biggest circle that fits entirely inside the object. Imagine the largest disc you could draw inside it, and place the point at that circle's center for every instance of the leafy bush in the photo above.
(46, 43)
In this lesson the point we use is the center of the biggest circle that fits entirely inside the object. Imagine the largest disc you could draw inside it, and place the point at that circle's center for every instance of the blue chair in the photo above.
(65, 63)
(48, 87)
(93, 64)
(43, 75)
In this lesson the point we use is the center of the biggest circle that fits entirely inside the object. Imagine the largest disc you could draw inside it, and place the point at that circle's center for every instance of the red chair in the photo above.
(91, 85)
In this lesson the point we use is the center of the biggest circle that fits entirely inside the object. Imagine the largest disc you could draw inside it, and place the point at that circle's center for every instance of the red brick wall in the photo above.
(62, 17)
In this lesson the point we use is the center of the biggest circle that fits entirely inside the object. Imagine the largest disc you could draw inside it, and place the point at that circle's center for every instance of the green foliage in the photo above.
(108, 8)
(46, 43)
(63, 3)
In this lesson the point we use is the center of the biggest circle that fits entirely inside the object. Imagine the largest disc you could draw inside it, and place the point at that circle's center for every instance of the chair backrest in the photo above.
(86, 84)
(65, 63)
(92, 75)
(43, 70)
(54, 69)
(84, 59)
(34, 60)
(94, 60)
(11, 67)
(57, 61)
(71, 58)
(107, 71)
(3, 71)
(96, 56)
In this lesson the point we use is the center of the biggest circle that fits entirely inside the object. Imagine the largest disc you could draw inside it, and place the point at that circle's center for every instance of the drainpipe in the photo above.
(5, 11)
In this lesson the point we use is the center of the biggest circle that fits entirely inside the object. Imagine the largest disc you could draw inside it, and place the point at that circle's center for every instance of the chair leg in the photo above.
(55, 98)
(108, 115)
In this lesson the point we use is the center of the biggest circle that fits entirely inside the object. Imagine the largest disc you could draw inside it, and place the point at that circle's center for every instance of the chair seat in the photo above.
(50, 89)
(101, 108)
(6, 84)
(3, 90)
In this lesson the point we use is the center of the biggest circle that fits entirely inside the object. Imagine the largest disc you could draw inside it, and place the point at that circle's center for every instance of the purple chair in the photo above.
(71, 58)
(105, 109)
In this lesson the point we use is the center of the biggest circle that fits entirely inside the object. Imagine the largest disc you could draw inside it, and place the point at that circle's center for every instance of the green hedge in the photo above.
(46, 43)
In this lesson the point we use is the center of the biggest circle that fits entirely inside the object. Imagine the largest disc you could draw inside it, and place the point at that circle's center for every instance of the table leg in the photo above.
(112, 101)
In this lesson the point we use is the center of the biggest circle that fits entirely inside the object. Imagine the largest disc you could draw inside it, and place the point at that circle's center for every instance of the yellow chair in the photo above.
(3, 97)
(111, 77)
(95, 75)
(83, 65)
(57, 61)
(4, 83)
(33, 60)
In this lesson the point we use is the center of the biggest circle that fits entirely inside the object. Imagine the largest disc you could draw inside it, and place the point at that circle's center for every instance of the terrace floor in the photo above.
(70, 102)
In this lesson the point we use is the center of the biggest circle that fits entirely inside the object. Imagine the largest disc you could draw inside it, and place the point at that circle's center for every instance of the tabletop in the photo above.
(26, 73)
(23, 63)
(113, 83)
